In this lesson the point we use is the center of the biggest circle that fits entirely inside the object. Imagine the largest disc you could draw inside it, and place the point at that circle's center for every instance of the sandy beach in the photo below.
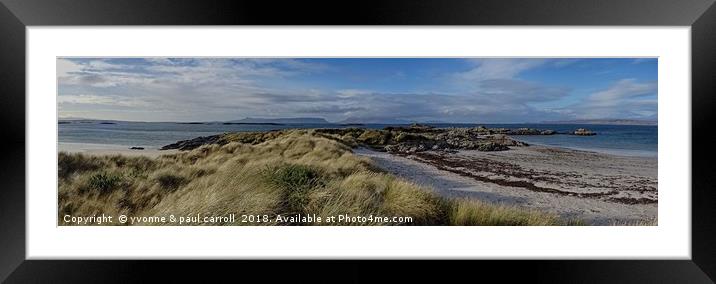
(107, 149)
(600, 189)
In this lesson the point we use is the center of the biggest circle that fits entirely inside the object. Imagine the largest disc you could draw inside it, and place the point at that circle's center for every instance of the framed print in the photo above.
(564, 138)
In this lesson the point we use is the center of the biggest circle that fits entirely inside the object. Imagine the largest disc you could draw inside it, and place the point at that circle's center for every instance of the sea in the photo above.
(625, 140)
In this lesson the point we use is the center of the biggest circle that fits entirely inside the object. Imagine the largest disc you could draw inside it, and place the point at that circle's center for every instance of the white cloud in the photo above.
(626, 98)
(122, 101)
(347, 93)
(218, 72)
(224, 89)
(499, 68)
(65, 67)
(494, 85)
(625, 89)
(228, 89)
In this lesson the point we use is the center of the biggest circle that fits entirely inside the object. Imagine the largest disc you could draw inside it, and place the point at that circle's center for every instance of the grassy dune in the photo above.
(292, 172)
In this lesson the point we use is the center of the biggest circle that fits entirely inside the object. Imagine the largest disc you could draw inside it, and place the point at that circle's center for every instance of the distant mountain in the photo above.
(604, 121)
(74, 118)
(374, 120)
(295, 120)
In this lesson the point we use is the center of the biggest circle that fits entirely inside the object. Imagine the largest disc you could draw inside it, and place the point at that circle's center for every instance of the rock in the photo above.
(192, 143)
(410, 148)
(407, 137)
(482, 130)
(505, 140)
(531, 131)
(374, 137)
(420, 126)
(491, 146)
(136, 148)
(524, 131)
(500, 130)
(583, 132)
(413, 128)
(450, 139)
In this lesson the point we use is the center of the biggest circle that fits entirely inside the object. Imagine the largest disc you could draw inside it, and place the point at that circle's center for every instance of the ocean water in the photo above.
(613, 139)
(628, 140)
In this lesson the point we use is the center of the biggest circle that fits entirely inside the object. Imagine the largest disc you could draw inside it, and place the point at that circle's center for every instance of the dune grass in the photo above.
(293, 172)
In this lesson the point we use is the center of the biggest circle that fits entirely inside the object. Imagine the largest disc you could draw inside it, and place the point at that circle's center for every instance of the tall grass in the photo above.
(287, 173)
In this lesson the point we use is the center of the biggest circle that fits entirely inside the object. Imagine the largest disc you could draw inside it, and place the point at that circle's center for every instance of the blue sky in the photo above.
(369, 90)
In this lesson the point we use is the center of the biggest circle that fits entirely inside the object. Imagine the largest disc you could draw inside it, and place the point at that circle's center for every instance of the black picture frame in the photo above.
(16, 15)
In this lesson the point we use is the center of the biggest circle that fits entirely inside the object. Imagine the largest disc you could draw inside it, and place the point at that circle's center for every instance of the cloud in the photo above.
(66, 67)
(520, 91)
(495, 91)
(428, 107)
(626, 98)
(347, 93)
(625, 89)
(226, 72)
(644, 60)
(179, 85)
(235, 88)
(101, 100)
(491, 90)
(500, 68)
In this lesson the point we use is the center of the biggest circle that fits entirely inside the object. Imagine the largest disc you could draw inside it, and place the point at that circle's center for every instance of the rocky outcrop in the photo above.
(450, 139)
(413, 128)
(524, 131)
(136, 148)
(252, 138)
(193, 143)
(500, 130)
(402, 140)
(491, 146)
(584, 132)
(410, 148)
(531, 131)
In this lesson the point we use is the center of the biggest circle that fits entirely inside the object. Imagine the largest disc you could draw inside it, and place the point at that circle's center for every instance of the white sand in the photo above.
(548, 167)
(106, 149)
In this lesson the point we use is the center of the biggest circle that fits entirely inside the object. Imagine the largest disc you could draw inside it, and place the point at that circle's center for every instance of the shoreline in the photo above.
(110, 149)
(593, 187)
(545, 178)
(269, 174)
(608, 142)
(604, 151)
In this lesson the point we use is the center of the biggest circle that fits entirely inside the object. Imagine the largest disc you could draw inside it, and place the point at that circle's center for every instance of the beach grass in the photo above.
(281, 173)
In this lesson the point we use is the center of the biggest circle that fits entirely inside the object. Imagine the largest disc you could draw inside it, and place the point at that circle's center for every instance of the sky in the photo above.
(358, 90)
